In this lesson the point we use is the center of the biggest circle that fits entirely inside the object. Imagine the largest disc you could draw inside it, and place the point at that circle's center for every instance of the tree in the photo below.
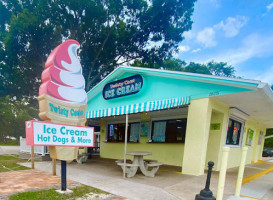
(110, 32)
(197, 68)
(211, 68)
(170, 64)
(221, 69)
(13, 116)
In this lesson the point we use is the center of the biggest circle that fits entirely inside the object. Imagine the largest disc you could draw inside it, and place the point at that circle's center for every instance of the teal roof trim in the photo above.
(196, 76)
(242, 83)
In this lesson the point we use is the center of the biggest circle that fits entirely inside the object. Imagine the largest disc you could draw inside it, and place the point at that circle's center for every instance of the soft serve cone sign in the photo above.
(62, 101)
(62, 96)
(62, 78)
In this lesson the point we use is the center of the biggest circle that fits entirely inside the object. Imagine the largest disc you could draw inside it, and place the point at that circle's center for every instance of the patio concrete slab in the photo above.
(115, 184)
(168, 183)
(239, 198)
(106, 175)
(259, 187)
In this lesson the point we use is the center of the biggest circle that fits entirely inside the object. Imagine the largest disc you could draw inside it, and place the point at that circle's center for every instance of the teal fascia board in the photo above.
(157, 87)
(119, 73)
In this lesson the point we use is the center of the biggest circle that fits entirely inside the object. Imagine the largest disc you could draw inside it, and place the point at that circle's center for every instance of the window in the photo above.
(234, 132)
(116, 132)
(169, 130)
(133, 134)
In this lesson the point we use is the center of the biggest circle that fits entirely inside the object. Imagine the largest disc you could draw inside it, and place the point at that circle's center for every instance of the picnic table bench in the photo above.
(138, 162)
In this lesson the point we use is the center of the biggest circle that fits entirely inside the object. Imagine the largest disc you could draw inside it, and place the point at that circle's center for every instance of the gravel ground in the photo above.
(92, 196)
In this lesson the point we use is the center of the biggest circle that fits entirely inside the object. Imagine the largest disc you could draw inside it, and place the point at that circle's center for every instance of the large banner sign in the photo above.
(52, 134)
(123, 87)
(62, 99)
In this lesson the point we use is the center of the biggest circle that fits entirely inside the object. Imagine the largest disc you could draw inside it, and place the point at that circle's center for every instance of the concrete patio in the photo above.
(168, 183)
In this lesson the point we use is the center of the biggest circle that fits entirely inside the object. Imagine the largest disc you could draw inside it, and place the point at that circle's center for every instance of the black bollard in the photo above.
(206, 194)
(63, 175)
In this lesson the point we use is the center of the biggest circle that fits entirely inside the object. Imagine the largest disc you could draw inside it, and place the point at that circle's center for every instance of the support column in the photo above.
(255, 145)
(198, 123)
(32, 157)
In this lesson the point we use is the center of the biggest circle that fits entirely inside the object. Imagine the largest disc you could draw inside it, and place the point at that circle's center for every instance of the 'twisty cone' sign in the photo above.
(62, 98)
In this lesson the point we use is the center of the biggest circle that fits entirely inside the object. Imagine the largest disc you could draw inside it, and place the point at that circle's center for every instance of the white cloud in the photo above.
(232, 25)
(216, 3)
(196, 50)
(253, 46)
(183, 48)
(207, 37)
(188, 35)
(269, 7)
(266, 76)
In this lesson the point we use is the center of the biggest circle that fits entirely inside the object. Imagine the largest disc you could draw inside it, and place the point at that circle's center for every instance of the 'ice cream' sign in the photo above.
(123, 87)
(63, 100)
(51, 134)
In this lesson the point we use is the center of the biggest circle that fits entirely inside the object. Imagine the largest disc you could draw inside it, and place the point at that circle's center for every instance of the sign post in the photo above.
(63, 175)
(32, 157)
(54, 167)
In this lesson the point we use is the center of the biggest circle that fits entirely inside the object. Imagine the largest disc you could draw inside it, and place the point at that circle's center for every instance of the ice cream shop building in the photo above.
(184, 119)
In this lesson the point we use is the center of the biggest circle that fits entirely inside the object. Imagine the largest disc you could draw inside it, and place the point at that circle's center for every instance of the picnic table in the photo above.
(147, 167)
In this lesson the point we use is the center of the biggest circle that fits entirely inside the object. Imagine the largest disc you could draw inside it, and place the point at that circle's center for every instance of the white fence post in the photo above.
(222, 176)
(241, 172)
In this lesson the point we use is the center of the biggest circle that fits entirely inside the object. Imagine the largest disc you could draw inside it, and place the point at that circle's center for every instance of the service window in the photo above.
(234, 132)
(116, 132)
(134, 132)
(169, 131)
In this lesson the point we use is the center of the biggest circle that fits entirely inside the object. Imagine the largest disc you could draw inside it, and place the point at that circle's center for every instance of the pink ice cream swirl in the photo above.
(62, 78)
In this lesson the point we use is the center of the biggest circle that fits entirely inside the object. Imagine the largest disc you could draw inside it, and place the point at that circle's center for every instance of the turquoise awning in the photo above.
(139, 107)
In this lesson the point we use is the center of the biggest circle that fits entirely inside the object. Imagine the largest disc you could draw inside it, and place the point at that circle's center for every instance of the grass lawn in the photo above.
(10, 143)
(9, 163)
(51, 194)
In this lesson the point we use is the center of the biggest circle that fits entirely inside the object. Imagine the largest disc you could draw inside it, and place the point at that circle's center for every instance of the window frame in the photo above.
(240, 120)
(120, 122)
(184, 117)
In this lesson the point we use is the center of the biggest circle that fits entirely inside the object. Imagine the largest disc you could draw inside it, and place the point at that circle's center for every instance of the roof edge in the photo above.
(266, 89)
(193, 74)
(248, 83)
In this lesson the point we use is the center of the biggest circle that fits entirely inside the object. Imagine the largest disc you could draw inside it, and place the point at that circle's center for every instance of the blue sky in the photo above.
(238, 32)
